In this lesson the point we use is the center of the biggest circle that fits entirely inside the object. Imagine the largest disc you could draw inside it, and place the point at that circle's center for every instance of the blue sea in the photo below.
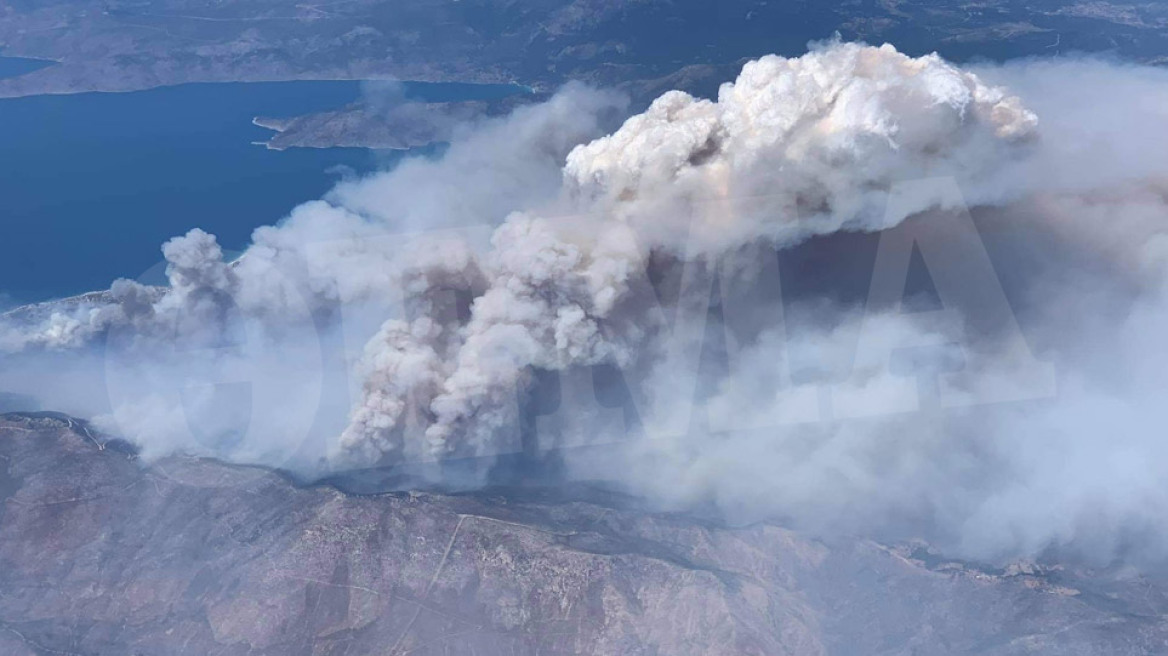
(16, 66)
(92, 184)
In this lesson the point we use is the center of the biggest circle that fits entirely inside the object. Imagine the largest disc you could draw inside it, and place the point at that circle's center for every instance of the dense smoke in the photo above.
(718, 304)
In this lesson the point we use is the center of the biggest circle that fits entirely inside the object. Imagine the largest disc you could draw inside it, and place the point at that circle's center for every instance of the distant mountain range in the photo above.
(116, 45)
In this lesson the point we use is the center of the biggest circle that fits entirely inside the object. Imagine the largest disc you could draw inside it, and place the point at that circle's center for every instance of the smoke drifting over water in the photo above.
(858, 291)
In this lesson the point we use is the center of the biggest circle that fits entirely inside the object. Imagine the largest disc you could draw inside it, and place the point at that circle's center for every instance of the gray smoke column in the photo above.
(538, 244)
(812, 141)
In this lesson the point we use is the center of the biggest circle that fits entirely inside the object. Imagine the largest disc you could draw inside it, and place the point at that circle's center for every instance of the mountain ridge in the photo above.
(103, 554)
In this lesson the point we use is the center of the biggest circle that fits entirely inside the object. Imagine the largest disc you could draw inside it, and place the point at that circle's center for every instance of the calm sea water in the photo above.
(14, 66)
(92, 184)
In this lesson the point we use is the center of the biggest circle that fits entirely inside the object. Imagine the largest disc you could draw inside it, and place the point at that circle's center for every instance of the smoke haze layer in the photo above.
(858, 292)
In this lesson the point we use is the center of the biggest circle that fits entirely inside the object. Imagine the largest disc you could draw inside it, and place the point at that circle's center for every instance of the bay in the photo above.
(92, 184)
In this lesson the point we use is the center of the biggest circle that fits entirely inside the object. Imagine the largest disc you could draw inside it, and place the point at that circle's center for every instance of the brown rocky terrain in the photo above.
(100, 554)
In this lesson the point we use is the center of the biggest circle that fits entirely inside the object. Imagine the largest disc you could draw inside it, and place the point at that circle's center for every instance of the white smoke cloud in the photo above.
(833, 127)
(604, 251)
(818, 139)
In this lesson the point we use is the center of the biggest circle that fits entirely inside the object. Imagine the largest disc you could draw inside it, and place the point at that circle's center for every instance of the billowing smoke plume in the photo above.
(812, 141)
(1009, 408)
